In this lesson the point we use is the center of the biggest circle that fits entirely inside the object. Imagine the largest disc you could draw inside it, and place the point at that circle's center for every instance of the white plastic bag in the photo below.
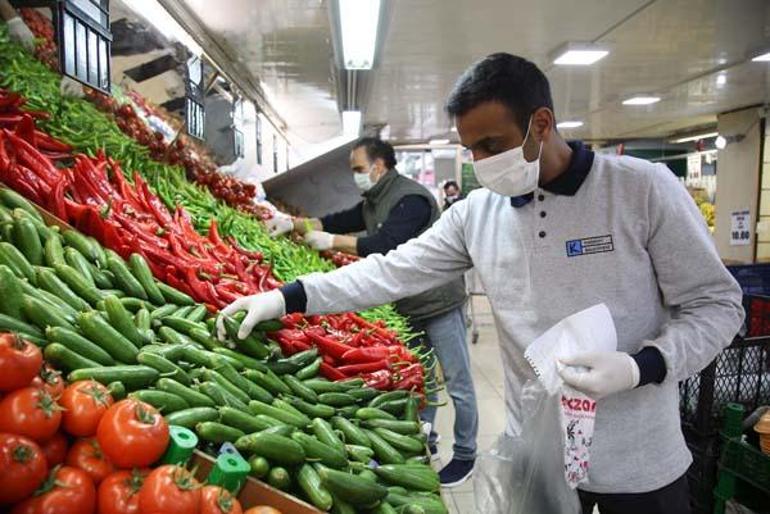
(523, 473)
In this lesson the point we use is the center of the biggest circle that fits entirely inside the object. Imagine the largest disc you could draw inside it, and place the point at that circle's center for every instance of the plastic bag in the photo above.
(523, 473)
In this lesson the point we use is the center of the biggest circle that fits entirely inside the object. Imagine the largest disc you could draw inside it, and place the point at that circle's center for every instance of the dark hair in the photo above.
(376, 148)
(451, 183)
(509, 79)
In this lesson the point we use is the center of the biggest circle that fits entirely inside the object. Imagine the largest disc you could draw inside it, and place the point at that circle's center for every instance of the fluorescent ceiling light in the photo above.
(164, 23)
(721, 79)
(351, 123)
(642, 100)
(762, 58)
(578, 54)
(569, 124)
(721, 142)
(438, 142)
(696, 137)
(359, 20)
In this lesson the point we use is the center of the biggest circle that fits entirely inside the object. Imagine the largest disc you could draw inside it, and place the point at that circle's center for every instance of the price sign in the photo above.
(740, 228)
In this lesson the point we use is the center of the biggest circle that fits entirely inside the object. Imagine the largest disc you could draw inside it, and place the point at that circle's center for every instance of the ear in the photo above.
(543, 124)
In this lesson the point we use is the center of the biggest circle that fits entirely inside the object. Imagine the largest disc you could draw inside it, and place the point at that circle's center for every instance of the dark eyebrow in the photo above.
(357, 168)
(483, 142)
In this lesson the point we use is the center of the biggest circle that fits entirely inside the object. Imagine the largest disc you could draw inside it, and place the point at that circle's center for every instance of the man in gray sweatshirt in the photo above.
(558, 229)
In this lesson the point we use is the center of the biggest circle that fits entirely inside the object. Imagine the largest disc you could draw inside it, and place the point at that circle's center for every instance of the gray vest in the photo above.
(378, 202)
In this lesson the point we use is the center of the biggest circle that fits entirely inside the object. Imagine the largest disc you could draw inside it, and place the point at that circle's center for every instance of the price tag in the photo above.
(740, 228)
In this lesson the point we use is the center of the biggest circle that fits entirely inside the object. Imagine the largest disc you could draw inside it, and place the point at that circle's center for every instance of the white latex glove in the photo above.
(70, 87)
(606, 373)
(319, 240)
(260, 307)
(19, 31)
(279, 224)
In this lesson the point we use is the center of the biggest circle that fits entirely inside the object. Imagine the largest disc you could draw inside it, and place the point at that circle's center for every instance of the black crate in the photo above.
(702, 474)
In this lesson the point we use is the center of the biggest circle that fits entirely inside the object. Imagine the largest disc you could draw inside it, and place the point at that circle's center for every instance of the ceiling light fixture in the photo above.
(765, 57)
(359, 20)
(153, 12)
(578, 54)
(438, 142)
(569, 124)
(351, 123)
(641, 100)
(721, 142)
(695, 137)
(721, 79)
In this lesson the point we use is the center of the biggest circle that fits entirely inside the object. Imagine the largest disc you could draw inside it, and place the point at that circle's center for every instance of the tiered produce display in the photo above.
(131, 308)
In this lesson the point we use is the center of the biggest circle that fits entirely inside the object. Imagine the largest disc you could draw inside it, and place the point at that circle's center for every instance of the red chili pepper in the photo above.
(366, 367)
(174, 282)
(362, 355)
(331, 373)
(410, 377)
(46, 142)
(328, 346)
(301, 346)
(56, 204)
(5, 159)
(382, 379)
(26, 183)
(31, 157)
(214, 236)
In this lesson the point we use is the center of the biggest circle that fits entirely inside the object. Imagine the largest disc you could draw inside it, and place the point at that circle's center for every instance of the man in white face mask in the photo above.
(558, 229)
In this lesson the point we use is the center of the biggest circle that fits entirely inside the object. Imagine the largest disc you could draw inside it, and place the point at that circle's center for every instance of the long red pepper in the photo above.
(331, 373)
(352, 370)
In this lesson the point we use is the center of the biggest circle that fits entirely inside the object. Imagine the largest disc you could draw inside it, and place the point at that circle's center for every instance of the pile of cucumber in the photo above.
(342, 446)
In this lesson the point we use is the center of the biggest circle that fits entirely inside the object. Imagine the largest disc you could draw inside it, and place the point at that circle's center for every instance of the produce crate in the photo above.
(753, 278)
(757, 315)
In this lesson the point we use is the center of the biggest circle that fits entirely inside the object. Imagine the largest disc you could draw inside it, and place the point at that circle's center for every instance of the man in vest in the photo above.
(394, 210)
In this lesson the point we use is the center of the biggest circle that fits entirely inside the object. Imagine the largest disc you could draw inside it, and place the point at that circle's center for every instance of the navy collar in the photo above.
(568, 183)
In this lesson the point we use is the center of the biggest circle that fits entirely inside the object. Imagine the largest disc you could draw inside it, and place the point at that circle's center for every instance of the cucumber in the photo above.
(49, 281)
(198, 314)
(169, 351)
(387, 397)
(202, 337)
(400, 442)
(79, 344)
(365, 394)
(65, 359)
(280, 403)
(188, 418)
(99, 251)
(123, 277)
(99, 331)
(132, 304)
(217, 432)
(103, 279)
(19, 264)
(67, 312)
(395, 407)
(251, 346)
(279, 478)
(13, 200)
(27, 239)
(175, 296)
(411, 410)
(359, 453)
(242, 421)
(78, 284)
(171, 336)
(53, 251)
(141, 271)
(270, 325)
(353, 489)
(122, 321)
(342, 507)
(164, 366)
(275, 448)
(11, 293)
(324, 386)
(260, 467)
(384, 451)
(268, 380)
(300, 389)
(258, 407)
(183, 311)
(191, 396)
(311, 370)
(162, 312)
(336, 399)
(10, 324)
(142, 319)
(161, 400)
(220, 395)
(82, 244)
(310, 483)
(228, 386)
(348, 412)
(117, 292)
(284, 430)
(75, 259)
(117, 390)
(43, 315)
(352, 433)
(246, 362)
(384, 508)
(283, 367)
(411, 476)
(318, 410)
(326, 434)
(133, 377)
(316, 450)
(429, 504)
(182, 325)
(251, 390)
(400, 427)
(366, 413)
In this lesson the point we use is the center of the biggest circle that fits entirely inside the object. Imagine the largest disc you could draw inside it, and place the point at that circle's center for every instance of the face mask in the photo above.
(509, 173)
(364, 181)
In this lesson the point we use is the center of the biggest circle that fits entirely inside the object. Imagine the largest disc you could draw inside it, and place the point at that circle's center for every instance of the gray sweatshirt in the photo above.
(630, 237)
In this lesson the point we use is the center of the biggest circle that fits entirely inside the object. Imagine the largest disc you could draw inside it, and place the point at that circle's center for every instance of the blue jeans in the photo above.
(446, 333)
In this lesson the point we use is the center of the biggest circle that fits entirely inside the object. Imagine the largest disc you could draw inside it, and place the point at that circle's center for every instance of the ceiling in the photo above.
(675, 49)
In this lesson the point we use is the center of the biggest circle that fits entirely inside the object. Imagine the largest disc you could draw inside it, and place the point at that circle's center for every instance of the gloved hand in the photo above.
(260, 307)
(608, 373)
(71, 87)
(279, 224)
(319, 240)
(19, 31)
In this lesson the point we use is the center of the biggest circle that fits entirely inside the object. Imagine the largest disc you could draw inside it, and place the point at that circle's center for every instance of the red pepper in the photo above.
(26, 183)
(46, 142)
(362, 355)
(174, 282)
(214, 236)
(328, 346)
(379, 379)
(152, 201)
(5, 159)
(331, 373)
(25, 129)
(410, 377)
(352, 370)
(301, 346)
(31, 157)
(56, 203)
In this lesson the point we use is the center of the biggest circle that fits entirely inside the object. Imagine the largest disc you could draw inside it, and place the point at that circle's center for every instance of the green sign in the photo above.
(468, 179)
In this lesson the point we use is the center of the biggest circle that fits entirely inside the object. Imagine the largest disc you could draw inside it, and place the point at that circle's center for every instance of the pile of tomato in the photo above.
(72, 449)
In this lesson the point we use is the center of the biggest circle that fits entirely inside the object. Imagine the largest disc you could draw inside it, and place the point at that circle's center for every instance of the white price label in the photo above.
(740, 228)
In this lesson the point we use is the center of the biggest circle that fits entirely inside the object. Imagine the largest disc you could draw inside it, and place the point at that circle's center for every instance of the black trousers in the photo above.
(672, 499)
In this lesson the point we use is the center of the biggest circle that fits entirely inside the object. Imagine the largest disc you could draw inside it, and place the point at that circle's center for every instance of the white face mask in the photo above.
(364, 180)
(509, 173)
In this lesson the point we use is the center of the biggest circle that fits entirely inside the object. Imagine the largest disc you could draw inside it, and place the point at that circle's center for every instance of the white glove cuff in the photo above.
(635, 373)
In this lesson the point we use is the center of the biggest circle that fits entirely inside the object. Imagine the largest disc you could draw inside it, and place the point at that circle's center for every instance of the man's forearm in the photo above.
(7, 11)
(346, 244)
(304, 225)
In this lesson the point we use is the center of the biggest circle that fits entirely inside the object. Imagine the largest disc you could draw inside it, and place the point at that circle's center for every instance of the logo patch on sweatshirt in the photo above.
(590, 245)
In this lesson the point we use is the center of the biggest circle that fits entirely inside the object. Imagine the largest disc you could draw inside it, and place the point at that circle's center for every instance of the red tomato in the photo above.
(263, 509)
(50, 380)
(70, 491)
(30, 412)
(215, 500)
(132, 434)
(85, 454)
(19, 362)
(24, 468)
(55, 450)
(84, 404)
(119, 492)
(170, 488)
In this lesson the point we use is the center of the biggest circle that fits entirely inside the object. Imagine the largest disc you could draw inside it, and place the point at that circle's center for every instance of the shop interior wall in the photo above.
(317, 187)
(737, 181)
(763, 225)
